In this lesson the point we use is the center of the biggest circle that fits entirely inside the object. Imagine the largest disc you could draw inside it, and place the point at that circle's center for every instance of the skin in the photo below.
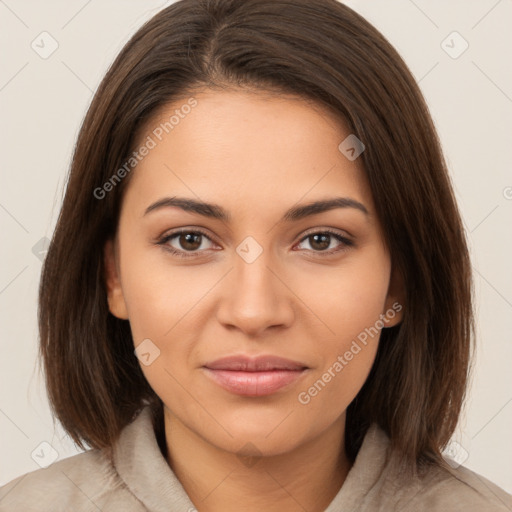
(255, 155)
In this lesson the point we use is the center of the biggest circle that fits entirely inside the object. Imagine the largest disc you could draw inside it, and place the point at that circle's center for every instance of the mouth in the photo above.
(260, 376)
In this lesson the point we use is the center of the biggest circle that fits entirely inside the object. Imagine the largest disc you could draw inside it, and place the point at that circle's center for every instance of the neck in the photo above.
(306, 478)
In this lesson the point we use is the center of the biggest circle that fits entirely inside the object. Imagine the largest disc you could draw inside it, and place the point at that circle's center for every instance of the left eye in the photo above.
(321, 241)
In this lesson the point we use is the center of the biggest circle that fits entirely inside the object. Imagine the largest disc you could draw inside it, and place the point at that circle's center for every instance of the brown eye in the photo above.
(321, 241)
(185, 243)
(190, 241)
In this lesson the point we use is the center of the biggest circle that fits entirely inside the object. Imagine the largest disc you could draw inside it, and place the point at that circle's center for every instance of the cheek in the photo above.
(349, 298)
(165, 302)
(347, 355)
(350, 303)
(161, 295)
(326, 396)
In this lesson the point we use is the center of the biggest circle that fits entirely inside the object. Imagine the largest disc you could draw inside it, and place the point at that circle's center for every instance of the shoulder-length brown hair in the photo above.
(320, 50)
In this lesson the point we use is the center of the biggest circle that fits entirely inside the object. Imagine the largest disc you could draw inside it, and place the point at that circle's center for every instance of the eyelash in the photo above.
(346, 243)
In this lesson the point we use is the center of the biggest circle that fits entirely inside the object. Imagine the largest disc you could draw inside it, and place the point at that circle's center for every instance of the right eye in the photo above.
(189, 242)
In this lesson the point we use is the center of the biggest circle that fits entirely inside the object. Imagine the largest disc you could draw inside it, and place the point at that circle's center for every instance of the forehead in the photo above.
(254, 148)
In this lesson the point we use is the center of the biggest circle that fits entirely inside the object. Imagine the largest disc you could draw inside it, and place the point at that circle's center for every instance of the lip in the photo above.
(254, 376)
(261, 363)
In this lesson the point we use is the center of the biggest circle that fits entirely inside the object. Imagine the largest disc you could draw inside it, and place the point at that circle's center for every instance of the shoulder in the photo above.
(459, 489)
(435, 487)
(84, 482)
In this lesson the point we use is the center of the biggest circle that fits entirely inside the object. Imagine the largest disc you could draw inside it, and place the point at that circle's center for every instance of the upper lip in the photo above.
(254, 364)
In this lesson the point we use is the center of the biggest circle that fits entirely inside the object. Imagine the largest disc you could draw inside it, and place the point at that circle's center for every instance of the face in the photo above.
(255, 277)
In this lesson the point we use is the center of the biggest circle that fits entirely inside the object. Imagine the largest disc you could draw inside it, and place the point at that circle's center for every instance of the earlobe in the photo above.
(394, 306)
(115, 297)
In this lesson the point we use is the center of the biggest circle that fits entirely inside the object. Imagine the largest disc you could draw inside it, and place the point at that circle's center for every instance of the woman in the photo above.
(258, 292)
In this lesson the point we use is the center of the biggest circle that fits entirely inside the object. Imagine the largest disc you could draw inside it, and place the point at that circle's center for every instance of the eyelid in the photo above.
(334, 231)
(179, 231)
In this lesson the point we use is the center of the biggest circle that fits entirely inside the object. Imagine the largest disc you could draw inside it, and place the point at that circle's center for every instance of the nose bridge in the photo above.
(256, 298)
(254, 279)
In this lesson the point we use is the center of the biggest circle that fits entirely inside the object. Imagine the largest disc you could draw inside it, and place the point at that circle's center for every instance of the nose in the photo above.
(255, 297)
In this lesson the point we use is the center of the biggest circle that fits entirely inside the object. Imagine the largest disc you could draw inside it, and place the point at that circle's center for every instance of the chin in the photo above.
(257, 436)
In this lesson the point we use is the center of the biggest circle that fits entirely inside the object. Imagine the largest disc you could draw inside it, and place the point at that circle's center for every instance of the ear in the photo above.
(115, 297)
(395, 299)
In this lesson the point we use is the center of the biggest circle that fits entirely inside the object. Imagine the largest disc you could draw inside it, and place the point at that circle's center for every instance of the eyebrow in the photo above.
(295, 213)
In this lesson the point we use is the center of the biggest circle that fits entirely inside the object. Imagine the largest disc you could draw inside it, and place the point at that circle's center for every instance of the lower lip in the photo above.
(254, 383)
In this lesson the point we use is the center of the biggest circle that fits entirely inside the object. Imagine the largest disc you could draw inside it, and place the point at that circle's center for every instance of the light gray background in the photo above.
(43, 102)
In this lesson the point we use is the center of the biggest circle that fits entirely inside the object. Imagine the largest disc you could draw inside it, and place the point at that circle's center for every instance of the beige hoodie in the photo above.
(135, 477)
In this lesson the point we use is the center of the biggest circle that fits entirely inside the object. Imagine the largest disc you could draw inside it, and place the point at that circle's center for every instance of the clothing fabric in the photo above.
(134, 476)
